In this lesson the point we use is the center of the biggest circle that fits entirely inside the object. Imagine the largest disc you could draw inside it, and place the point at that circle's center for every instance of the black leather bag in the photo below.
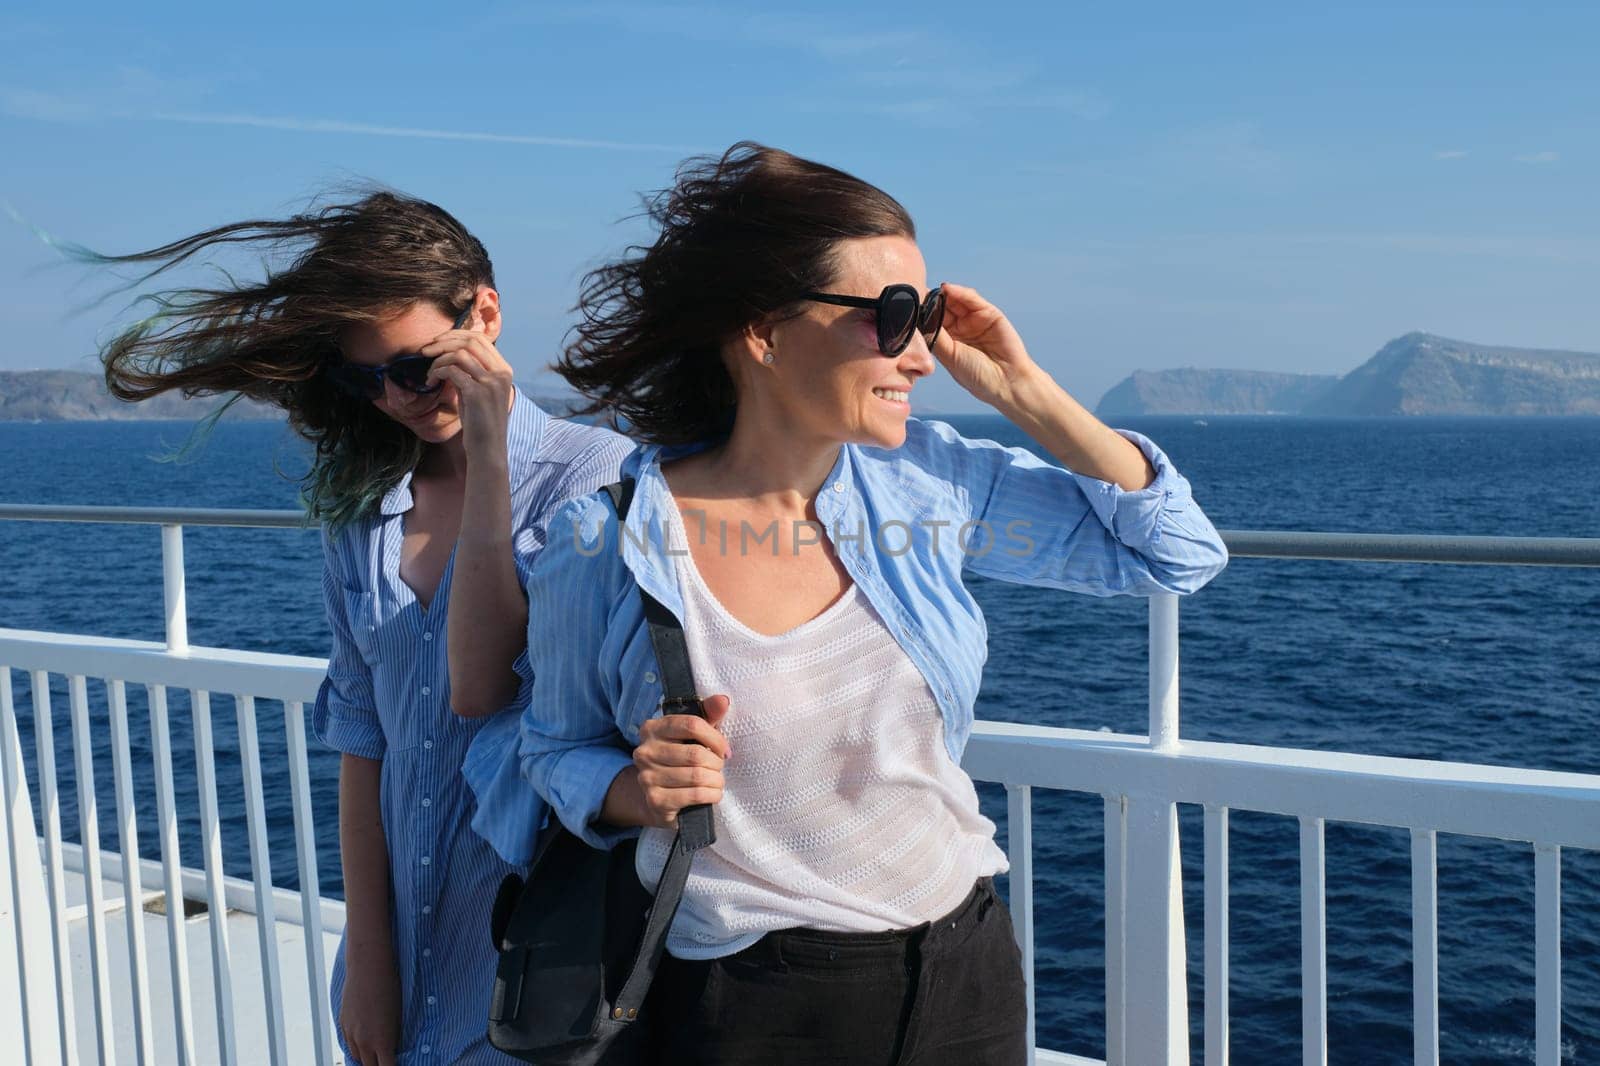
(581, 938)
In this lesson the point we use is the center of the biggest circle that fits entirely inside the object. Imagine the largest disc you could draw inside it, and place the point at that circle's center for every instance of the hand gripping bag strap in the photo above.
(696, 827)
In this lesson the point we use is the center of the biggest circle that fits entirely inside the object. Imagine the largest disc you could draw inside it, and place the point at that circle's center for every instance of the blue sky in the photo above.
(1275, 186)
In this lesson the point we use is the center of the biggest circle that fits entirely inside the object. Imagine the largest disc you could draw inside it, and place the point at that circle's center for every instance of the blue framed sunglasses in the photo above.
(409, 372)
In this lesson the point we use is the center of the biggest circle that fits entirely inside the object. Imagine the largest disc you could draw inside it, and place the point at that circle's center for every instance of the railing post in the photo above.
(1216, 936)
(1547, 954)
(1425, 947)
(1164, 671)
(34, 1014)
(1313, 942)
(1116, 836)
(172, 588)
(1157, 1012)
(1019, 844)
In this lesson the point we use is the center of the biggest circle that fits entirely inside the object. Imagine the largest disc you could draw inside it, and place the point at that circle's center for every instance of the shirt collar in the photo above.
(524, 430)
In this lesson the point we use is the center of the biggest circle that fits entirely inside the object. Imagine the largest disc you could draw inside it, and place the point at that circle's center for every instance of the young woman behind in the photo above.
(434, 478)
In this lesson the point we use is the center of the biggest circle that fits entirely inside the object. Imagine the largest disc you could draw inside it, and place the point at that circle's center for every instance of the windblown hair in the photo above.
(272, 340)
(740, 238)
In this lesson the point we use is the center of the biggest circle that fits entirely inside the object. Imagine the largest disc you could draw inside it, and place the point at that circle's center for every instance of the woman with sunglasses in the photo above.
(812, 538)
(433, 478)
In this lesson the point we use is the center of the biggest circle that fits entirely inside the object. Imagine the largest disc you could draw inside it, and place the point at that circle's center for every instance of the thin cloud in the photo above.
(1453, 153)
(323, 125)
(54, 107)
(1538, 157)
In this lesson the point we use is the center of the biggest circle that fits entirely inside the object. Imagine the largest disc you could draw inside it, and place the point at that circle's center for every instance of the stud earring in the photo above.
(769, 358)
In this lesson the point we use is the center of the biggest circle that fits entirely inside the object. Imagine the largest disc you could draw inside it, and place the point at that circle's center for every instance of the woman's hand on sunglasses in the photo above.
(981, 348)
(483, 383)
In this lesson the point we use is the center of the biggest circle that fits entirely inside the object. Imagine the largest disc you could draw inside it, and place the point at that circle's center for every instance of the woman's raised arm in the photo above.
(488, 612)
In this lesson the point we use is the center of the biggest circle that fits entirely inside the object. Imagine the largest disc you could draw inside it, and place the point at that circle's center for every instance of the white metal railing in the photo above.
(44, 963)
(1142, 779)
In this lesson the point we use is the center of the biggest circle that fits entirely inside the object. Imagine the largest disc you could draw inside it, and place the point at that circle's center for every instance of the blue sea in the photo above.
(1483, 664)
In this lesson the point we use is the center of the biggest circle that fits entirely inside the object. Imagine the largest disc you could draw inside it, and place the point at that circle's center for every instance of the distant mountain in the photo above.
(1417, 374)
(1421, 374)
(1213, 392)
(79, 396)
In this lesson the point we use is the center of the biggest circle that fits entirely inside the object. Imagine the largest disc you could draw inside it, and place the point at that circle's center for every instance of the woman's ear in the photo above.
(487, 312)
(756, 343)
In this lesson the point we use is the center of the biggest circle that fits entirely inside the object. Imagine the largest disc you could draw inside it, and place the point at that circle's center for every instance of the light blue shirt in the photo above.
(387, 697)
(907, 524)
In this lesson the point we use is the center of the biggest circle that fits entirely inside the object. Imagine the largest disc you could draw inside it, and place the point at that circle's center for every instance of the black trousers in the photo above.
(947, 993)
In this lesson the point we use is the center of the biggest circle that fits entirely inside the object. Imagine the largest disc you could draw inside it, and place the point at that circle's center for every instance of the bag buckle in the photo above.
(682, 705)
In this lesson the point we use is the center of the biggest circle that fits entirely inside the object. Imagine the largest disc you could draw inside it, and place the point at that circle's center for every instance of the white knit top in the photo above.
(841, 808)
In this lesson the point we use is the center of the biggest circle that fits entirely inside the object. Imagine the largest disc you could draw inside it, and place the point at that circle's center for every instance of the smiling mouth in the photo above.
(894, 395)
(420, 415)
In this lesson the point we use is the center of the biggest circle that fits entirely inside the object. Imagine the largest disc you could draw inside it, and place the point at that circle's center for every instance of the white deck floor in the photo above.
(249, 1003)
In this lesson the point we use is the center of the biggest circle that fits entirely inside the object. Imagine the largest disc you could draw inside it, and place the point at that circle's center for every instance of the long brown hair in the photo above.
(741, 237)
(271, 340)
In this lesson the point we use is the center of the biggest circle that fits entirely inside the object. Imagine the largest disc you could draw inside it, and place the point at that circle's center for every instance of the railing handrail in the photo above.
(1485, 800)
(1242, 543)
(271, 675)
(156, 516)
(1412, 548)
(1462, 799)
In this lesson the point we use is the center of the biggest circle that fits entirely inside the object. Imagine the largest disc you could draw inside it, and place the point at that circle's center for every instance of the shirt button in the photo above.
(426, 860)
(838, 486)
(427, 636)
(649, 677)
(427, 908)
(426, 802)
(427, 953)
(426, 1048)
(426, 691)
(431, 1001)
(428, 744)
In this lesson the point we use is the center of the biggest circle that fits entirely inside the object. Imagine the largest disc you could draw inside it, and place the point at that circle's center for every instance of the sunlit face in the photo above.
(435, 417)
(835, 384)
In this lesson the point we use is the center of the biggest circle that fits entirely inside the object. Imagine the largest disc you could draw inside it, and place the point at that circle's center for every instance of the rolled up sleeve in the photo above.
(576, 780)
(345, 715)
(1053, 527)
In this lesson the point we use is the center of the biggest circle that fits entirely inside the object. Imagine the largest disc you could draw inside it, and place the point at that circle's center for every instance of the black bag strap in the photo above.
(696, 827)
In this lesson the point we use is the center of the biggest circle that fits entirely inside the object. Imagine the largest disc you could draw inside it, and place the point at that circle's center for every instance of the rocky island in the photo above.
(80, 396)
(1417, 374)
(1193, 391)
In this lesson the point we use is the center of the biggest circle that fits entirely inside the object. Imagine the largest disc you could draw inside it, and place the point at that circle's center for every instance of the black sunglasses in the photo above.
(900, 313)
(409, 372)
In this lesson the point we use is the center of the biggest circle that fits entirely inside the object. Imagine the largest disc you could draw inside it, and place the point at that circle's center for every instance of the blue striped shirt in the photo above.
(906, 523)
(387, 697)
